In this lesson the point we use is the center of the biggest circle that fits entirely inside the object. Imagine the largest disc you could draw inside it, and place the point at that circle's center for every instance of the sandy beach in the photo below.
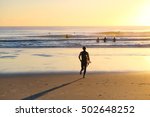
(71, 86)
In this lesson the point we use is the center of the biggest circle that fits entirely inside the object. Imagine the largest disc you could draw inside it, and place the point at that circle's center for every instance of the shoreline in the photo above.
(98, 46)
(66, 73)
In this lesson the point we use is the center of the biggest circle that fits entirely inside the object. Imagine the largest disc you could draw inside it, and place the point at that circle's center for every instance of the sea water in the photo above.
(56, 49)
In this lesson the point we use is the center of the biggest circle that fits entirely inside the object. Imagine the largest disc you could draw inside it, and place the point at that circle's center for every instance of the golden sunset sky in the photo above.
(74, 12)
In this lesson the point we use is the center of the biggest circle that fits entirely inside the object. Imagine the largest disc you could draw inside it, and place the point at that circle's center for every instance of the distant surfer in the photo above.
(85, 60)
(105, 39)
(97, 40)
(67, 36)
(114, 39)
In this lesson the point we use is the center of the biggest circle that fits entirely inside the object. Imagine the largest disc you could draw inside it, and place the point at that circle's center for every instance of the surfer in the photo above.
(85, 60)
(105, 39)
(97, 40)
(67, 36)
(114, 39)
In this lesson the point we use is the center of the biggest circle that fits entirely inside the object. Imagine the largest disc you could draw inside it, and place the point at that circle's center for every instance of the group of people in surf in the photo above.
(105, 39)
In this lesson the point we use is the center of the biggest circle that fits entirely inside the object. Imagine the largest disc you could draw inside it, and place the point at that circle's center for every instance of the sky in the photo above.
(74, 13)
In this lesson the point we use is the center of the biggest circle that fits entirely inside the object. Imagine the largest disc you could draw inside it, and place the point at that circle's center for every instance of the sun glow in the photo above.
(142, 15)
(74, 12)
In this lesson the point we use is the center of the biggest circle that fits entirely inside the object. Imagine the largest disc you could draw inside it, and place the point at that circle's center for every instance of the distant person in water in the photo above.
(114, 40)
(67, 36)
(105, 39)
(97, 40)
(85, 60)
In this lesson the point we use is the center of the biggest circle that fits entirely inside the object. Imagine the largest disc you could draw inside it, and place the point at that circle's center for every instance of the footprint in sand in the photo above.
(144, 84)
(99, 95)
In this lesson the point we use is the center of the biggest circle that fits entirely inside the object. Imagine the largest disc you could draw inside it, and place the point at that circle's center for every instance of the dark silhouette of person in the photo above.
(97, 40)
(85, 60)
(114, 39)
(105, 39)
(67, 36)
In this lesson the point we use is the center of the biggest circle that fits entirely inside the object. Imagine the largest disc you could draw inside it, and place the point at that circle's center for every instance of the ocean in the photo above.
(56, 49)
(73, 37)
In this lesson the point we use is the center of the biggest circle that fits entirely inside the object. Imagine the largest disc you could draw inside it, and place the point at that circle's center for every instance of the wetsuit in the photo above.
(84, 61)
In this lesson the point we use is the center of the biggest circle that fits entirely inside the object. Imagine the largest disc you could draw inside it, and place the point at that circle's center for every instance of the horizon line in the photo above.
(79, 26)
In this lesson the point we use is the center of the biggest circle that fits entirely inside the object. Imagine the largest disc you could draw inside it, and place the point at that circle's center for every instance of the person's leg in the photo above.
(82, 67)
(84, 70)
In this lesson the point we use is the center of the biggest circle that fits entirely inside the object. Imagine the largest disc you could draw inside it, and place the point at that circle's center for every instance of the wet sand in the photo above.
(71, 86)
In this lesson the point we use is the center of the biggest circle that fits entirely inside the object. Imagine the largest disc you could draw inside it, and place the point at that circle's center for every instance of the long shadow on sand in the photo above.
(35, 96)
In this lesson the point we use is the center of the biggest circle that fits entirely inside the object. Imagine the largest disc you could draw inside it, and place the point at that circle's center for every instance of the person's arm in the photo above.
(88, 57)
(79, 56)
